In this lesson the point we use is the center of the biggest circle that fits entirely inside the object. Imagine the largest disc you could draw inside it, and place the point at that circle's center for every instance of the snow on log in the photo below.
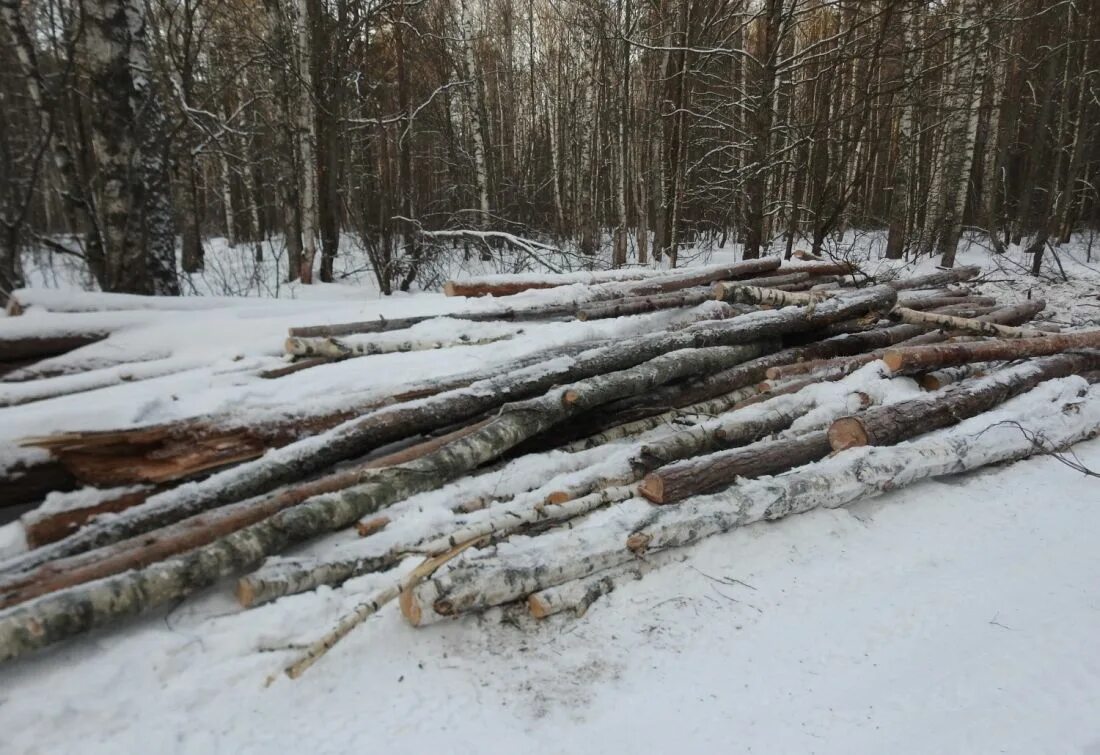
(736, 293)
(62, 513)
(634, 305)
(888, 425)
(332, 348)
(579, 594)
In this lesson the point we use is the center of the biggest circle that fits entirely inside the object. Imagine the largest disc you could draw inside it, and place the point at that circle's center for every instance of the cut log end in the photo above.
(246, 593)
(638, 542)
(449, 288)
(847, 432)
(371, 526)
(652, 487)
(894, 359)
(569, 398)
(538, 607)
(557, 498)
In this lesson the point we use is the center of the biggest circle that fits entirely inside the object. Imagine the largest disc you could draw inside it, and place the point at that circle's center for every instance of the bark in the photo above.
(635, 305)
(937, 302)
(885, 426)
(705, 474)
(935, 280)
(44, 526)
(23, 348)
(932, 357)
(740, 294)
(934, 381)
(332, 348)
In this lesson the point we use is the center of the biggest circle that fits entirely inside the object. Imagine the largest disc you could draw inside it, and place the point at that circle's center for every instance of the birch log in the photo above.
(935, 280)
(923, 358)
(949, 322)
(705, 474)
(887, 425)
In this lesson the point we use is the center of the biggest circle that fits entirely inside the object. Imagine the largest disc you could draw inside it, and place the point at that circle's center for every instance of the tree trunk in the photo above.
(892, 424)
(705, 474)
(924, 358)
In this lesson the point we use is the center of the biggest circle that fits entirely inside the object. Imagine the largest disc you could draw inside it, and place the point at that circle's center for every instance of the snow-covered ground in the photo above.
(957, 615)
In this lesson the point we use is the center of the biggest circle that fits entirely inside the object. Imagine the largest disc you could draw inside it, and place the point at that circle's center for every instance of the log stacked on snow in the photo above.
(731, 400)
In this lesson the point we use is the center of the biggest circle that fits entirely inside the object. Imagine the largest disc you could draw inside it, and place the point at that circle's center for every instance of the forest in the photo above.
(616, 131)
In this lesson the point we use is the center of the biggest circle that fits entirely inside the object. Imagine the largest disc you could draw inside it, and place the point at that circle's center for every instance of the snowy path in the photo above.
(955, 616)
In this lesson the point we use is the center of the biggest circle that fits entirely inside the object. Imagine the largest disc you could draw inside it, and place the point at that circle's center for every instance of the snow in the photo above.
(955, 615)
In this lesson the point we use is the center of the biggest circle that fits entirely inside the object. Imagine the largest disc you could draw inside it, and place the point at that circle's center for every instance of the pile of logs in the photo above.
(748, 392)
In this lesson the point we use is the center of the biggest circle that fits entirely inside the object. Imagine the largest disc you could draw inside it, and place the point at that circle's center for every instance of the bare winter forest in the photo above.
(622, 129)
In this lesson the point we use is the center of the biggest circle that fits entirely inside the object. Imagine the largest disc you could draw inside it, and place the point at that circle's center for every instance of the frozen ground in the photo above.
(958, 615)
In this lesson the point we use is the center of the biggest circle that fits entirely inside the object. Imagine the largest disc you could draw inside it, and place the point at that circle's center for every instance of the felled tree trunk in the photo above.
(888, 425)
(924, 358)
(935, 280)
(334, 349)
(704, 474)
(950, 322)
(641, 304)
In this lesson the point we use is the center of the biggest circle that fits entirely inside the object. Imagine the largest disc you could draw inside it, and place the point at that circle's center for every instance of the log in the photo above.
(331, 348)
(705, 474)
(925, 303)
(735, 293)
(949, 322)
(509, 285)
(48, 524)
(578, 595)
(934, 381)
(29, 481)
(892, 424)
(926, 358)
(935, 280)
(635, 305)
(388, 424)
(751, 373)
(477, 584)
